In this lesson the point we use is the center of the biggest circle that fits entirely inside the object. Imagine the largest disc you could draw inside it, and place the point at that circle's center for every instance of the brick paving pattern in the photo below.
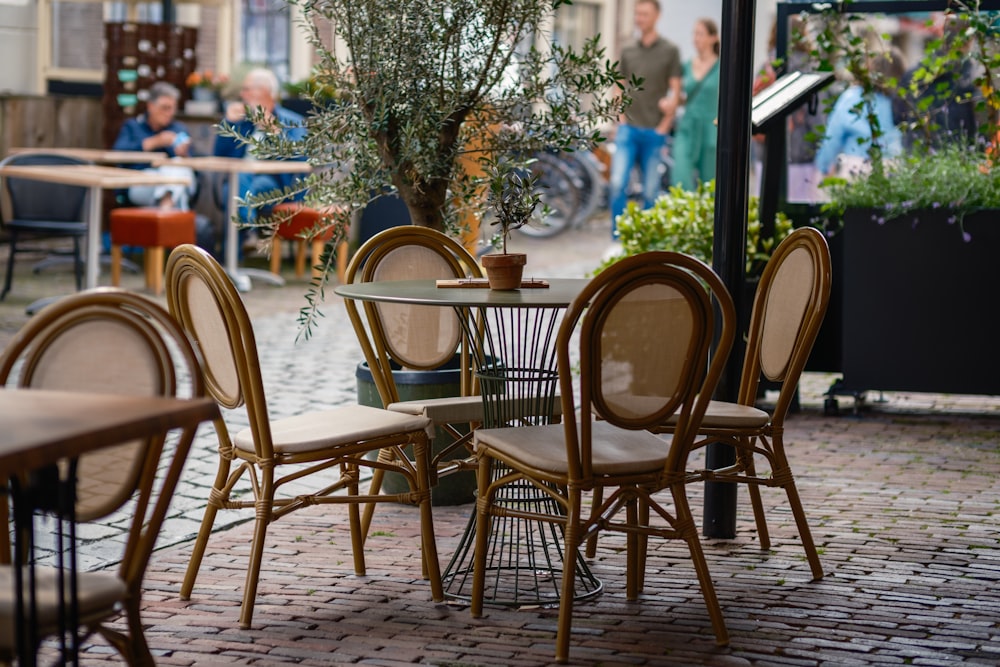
(903, 503)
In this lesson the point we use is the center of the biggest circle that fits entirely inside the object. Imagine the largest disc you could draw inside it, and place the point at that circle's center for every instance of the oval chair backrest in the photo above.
(205, 302)
(645, 328)
(41, 201)
(788, 309)
(411, 337)
(104, 341)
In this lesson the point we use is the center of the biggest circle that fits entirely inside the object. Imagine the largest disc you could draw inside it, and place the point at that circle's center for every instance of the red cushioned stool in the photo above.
(300, 220)
(153, 229)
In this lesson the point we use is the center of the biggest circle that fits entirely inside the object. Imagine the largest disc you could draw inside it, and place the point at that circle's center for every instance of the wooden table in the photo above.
(519, 333)
(234, 167)
(96, 178)
(42, 427)
(96, 155)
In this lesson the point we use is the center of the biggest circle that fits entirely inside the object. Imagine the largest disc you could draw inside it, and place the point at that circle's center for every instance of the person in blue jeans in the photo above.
(642, 129)
(260, 89)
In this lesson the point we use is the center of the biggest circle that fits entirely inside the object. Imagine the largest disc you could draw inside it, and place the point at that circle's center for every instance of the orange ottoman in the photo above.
(301, 219)
(153, 229)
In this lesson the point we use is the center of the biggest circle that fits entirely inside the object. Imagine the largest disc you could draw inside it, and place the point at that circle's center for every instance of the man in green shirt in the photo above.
(643, 128)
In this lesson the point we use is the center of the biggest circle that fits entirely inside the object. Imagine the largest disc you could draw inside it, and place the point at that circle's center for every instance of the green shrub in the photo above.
(684, 221)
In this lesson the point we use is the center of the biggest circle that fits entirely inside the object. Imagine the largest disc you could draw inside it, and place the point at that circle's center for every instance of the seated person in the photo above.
(260, 89)
(157, 130)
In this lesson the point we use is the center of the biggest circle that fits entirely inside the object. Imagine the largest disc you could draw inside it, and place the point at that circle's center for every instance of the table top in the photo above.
(97, 155)
(90, 175)
(41, 426)
(235, 164)
(559, 293)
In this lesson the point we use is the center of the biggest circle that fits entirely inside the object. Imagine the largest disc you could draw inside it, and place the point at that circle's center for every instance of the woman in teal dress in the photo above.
(697, 131)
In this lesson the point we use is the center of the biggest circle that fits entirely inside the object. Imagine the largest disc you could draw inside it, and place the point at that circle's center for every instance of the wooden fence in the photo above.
(49, 121)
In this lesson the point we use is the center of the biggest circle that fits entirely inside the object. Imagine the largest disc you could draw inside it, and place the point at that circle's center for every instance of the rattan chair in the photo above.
(402, 336)
(643, 329)
(106, 341)
(788, 309)
(205, 302)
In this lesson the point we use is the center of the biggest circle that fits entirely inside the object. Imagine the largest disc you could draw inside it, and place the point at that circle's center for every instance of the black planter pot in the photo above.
(919, 303)
(444, 382)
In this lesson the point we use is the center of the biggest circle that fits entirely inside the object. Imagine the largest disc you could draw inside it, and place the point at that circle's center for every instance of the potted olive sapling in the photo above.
(512, 197)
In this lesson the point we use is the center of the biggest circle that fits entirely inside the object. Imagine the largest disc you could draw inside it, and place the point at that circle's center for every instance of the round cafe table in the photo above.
(515, 356)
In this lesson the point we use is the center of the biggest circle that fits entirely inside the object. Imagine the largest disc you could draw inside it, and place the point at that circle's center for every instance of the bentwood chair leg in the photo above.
(484, 500)
(215, 500)
(756, 502)
(373, 490)
(354, 517)
(685, 523)
(137, 652)
(643, 547)
(804, 533)
(422, 456)
(574, 513)
(595, 507)
(262, 508)
(632, 562)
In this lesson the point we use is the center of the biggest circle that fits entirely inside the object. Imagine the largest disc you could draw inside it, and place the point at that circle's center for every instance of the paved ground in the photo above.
(903, 502)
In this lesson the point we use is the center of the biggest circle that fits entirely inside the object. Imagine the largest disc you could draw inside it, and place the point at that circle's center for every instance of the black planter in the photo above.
(443, 382)
(919, 303)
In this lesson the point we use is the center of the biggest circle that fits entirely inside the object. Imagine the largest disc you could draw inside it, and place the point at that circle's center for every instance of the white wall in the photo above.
(677, 19)
(18, 44)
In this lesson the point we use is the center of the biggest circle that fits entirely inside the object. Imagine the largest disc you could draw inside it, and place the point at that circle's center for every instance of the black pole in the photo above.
(729, 250)
(167, 6)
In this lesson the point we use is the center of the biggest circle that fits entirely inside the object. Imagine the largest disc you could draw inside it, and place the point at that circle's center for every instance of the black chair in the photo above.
(44, 210)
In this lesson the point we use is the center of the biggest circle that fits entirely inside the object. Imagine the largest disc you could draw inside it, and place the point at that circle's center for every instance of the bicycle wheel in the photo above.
(587, 175)
(559, 193)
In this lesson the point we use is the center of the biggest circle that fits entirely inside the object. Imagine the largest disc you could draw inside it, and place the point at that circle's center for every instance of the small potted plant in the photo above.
(206, 85)
(512, 196)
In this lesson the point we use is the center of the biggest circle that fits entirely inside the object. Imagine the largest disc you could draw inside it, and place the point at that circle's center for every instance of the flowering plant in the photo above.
(952, 168)
(207, 79)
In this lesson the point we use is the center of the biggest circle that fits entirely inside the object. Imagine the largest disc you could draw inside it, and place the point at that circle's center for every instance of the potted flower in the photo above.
(206, 85)
(512, 197)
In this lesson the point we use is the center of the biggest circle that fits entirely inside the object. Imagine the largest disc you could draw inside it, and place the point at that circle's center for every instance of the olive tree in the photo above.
(424, 89)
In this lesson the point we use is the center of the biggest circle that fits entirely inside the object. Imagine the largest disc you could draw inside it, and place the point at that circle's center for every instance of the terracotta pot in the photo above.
(504, 270)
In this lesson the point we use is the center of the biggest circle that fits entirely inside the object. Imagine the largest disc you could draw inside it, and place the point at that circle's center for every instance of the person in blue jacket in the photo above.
(158, 130)
(843, 151)
(260, 89)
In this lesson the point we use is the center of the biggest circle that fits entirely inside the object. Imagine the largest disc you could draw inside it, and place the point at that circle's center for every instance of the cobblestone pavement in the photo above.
(903, 502)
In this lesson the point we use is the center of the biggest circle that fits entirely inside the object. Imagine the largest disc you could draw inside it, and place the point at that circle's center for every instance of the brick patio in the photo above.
(903, 503)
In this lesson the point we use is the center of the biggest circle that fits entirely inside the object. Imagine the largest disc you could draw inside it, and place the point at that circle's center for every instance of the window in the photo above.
(577, 23)
(266, 30)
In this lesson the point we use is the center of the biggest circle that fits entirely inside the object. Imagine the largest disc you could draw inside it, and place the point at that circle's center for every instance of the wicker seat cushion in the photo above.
(346, 425)
(98, 594)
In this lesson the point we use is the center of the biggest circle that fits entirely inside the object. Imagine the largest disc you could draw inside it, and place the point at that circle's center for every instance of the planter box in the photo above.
(918, 304)
(443, 382)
